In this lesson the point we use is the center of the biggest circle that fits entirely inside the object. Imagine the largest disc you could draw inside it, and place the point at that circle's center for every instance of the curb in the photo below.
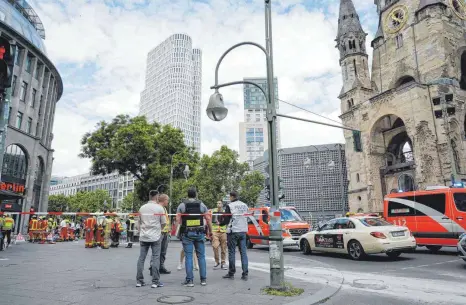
(324, 294)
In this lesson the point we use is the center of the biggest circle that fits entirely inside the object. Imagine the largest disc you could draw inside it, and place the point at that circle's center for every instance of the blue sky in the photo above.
(100, 49)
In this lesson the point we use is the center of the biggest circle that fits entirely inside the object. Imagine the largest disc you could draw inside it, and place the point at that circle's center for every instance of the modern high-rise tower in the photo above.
(253, 140)
(172, 94)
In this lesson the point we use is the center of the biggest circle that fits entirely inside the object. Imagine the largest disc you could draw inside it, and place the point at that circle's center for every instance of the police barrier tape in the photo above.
(118, 214)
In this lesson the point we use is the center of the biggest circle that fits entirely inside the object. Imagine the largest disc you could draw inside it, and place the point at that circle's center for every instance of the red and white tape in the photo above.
(116, 214)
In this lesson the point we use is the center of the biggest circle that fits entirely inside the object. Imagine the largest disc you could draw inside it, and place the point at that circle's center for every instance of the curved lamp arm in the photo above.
(231, 49)
(239, 83)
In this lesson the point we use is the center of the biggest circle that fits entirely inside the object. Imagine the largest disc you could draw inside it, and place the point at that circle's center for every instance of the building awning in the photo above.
(5, 194)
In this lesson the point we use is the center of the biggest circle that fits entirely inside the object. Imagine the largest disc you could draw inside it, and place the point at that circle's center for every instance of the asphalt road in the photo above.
(414, 278)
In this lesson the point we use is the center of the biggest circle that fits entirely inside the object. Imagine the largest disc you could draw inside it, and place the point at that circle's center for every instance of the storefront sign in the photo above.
(13, 187)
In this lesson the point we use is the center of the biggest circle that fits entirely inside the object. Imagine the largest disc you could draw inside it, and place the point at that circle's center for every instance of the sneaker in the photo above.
(188, 283)
(165, 271)
(157, 285)
(180, 266)
(244, 277)
(224, 267)
(229, 276)
(203, 282)
(216, 266)
(140, 284)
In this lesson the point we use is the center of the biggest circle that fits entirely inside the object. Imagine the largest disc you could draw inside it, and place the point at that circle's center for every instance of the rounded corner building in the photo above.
(28, 114)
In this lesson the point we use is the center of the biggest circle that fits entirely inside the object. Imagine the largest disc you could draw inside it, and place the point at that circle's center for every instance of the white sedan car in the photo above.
(358, 236)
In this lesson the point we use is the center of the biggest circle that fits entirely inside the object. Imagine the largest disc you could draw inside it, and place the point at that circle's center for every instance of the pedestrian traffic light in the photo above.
(7, 62)
(357, 140)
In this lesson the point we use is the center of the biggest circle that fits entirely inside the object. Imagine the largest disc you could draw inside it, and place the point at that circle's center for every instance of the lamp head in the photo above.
(216, 110)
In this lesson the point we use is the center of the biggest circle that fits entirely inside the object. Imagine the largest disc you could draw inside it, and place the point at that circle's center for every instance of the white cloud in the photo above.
(114, 37)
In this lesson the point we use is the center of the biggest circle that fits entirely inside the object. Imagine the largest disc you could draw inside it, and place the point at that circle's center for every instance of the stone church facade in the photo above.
(410, 107)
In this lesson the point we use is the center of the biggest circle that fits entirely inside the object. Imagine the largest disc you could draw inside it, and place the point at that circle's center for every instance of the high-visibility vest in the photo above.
(34, 225)
(90, 223)
(109, 225)
(215, 226)
(8, 223)
(50, 223)
(166, 229)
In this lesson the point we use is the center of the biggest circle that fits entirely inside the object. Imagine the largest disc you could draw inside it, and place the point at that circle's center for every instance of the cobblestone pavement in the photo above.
(67, 273)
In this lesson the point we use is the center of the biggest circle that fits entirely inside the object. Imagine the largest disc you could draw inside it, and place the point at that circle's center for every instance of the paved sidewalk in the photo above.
(67, 273)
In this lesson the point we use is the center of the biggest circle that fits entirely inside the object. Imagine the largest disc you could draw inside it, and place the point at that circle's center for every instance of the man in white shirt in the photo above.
(152, 220)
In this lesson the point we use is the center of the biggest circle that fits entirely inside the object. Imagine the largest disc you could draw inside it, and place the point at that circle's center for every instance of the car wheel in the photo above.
(249, 244)
(393, 254)
(305, 247)
(355, 250)
(434, 248)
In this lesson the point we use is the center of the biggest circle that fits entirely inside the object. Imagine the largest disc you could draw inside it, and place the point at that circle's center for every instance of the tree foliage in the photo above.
(251, 187)
(222, 169)
(143, 149)
(98, 200)
(58, 203)
(131, 203)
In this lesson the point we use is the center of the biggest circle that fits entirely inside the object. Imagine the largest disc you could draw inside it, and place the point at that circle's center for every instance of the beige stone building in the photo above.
(411, 107)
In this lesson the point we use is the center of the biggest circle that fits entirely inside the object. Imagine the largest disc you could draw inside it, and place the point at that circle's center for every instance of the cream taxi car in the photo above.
(358, 236)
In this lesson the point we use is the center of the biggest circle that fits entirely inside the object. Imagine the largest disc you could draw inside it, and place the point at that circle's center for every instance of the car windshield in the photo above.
(374, 222)
(290, 215)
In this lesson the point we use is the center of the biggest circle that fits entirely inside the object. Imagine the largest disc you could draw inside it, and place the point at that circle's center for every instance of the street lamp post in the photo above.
(171, 184)
(217, 111)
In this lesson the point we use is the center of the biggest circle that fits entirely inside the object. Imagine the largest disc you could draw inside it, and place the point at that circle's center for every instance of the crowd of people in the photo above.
(226, 228)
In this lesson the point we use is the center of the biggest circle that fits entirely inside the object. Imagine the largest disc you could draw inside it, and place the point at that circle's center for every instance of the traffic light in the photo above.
(7, 62)
(357, 140)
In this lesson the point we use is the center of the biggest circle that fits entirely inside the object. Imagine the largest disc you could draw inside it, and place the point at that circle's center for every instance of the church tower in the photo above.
(411, 111)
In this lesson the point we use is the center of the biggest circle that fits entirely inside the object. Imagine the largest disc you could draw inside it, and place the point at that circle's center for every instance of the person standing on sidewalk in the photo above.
(8, 227)
(191, 215)
(130, 231)
(237, 227)
(151, 223)
(219, 237)
(163, 201)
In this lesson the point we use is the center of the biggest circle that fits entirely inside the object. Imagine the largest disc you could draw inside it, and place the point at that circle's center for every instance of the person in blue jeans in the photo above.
(191, 216)
(237, 227)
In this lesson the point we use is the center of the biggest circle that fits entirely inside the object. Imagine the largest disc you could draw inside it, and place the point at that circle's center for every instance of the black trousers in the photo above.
(163, 251)
(7, 234)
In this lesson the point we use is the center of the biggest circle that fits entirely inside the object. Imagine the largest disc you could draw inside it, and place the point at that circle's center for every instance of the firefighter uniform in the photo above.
(8, 227)
(219, 239)
(33, 229)
(130, 227)
(101, 221)
(64, 230)
(43, 226)
(116, 232)
(107, 229)
(90, 227)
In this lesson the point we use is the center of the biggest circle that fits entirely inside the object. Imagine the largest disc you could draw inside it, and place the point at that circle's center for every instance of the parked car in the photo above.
(358, 236)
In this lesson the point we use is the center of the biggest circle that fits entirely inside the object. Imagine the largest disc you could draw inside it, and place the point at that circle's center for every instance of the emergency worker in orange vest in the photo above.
(43, 225)
(70, 232)
(64, 230)
(33, 228)
(116, 232)
(108, 227)
(101, 222)
(90, 227)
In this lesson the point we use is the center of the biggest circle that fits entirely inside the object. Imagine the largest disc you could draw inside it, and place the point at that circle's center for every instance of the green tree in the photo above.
(251, 186)
(58, 203)
(222, 169)
(131, 203)
(98, 200)
(133, 145)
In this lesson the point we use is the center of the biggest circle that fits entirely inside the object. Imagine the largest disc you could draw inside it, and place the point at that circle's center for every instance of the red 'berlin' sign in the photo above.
(14, 187)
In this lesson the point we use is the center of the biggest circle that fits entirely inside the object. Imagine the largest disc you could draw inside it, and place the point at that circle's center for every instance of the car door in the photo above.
(323, 239)
(344, 231)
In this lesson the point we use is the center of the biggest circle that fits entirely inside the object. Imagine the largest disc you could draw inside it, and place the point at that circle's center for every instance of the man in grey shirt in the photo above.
(152, 220)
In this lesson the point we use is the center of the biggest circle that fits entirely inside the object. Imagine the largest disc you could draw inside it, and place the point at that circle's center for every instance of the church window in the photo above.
(349, 104)
(357, 178)
(350, 45)
(463, 71)
(354, 44)
(399, 40)
(355, 69)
